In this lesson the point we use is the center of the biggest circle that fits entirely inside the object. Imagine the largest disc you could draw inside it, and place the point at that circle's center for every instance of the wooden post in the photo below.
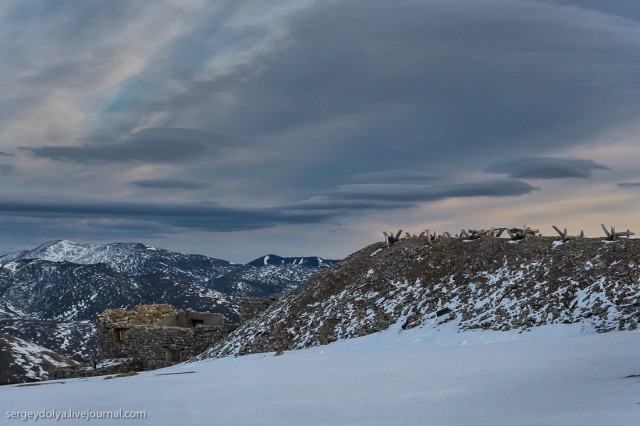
(563, 234)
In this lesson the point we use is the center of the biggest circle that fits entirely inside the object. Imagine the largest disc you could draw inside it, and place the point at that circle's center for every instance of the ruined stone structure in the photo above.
(157, 336)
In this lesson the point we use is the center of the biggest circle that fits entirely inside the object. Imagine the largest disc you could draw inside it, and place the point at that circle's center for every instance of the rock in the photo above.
(443, 311)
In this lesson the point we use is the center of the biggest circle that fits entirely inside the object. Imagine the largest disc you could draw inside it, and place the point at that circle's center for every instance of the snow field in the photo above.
(554, 375)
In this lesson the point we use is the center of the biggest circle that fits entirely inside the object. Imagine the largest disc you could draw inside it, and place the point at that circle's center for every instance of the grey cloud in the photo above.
(5, 154)
(547, 168)
(627, 9)
(424, 85)
(417, 193)
(396, 196)
(205, 216)
(169, 184)
(154, 145)
(629, 185)
(47, 227)
(347, 199)
(395, 176)
(5, 169)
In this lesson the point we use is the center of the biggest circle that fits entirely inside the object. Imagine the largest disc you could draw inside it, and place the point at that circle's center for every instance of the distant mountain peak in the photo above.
(58, 251)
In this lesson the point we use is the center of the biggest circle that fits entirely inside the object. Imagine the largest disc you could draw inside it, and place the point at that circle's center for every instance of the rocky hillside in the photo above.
(488, 283)
(22, 361)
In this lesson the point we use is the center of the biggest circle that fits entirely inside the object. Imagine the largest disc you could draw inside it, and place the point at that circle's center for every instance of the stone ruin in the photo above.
(155, 336)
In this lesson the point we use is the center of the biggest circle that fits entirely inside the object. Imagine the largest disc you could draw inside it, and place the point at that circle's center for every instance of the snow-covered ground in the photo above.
(554, 375)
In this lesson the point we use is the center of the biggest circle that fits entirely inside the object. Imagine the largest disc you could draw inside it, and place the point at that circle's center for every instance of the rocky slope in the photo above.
(22, 361)
(488, 283)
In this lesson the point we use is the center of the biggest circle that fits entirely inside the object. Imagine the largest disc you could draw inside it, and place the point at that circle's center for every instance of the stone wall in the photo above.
(251, 307)
(159, 346)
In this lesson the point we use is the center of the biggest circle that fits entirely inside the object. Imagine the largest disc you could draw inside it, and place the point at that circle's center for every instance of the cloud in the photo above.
(169, 184)
(395, 176)
(421, 193)
(422, 86)
(547, 168)
(206, 216)
(5, 169)
(216, 217)
(627, 9)
(395, 196)
(629, 185)
(159, 145)
(5, 154)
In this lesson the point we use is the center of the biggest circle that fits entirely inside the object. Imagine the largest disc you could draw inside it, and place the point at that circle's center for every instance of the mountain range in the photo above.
(50, 295)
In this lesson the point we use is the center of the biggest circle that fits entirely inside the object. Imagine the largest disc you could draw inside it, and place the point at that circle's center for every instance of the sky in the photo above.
(240, 128)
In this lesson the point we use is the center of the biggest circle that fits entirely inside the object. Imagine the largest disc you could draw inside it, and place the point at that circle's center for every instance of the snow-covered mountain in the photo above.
(68, 291)
(50, 295)
(487, 283)
(136, 259)
(130, 258)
